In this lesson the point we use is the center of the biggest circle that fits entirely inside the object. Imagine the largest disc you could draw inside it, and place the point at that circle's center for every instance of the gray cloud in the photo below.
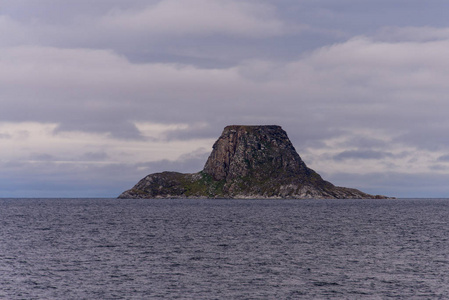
(362, 154)
(427, 135)
(417, 185)
(42, 157)
(188, 163)
(98, 91)
(444, 158)
(413, 34)
(5, 136)
(198, 130)
(95, 156)
(365, 142)
(52, 159)
(226, 38)
(197, 17)
(439, 168)
(46, 176)
(330, 72)
(118, 129)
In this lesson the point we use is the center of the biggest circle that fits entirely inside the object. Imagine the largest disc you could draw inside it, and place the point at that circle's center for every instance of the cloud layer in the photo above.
(93, 99)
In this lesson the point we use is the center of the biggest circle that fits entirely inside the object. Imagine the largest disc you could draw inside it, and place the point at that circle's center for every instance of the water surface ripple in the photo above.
(224, 249)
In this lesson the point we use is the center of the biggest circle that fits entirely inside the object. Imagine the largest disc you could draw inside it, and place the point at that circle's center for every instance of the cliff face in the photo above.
(253, 151)
(246, 162)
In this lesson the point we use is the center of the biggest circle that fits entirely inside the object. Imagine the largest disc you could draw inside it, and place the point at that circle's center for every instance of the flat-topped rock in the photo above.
(246, 162)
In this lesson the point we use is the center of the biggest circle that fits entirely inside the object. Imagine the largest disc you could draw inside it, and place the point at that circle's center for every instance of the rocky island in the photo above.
(247, 162)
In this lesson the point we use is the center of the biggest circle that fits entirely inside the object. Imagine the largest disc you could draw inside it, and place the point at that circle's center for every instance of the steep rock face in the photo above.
(246, 162)
(256, 151)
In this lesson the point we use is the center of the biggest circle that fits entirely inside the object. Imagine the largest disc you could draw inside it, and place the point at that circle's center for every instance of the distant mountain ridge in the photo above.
(247, 162)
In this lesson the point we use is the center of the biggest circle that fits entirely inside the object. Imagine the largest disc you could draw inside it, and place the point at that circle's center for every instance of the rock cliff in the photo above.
(246, 162)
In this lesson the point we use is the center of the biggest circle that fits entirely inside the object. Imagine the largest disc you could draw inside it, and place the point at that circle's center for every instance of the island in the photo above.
(247, 162)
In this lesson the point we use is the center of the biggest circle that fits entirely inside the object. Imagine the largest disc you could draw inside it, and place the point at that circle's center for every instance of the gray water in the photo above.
(224, 249)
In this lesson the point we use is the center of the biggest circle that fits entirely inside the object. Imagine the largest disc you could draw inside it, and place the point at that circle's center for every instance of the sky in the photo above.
(94, 95)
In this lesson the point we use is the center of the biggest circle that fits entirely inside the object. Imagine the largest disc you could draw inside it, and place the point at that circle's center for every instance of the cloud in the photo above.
(361, 83)
(369, 141)
(11, 32)
(413, 34)
(187, 163)
(92, 88)
(396, 184)
(444, 158)
(198, 18)
(55, 179)
(190, 131)
(36, 158)
(77, 164)
(42, 146)
(87, 88)
(362, 154)
(213, 33)
(95, 175)
(198, 32)
(95, 156)
(97, 90)
(5, 136)
(42, 157)
(119, 129)
(439, 168)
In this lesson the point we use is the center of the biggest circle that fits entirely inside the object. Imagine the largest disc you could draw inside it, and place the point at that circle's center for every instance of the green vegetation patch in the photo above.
(205, 186)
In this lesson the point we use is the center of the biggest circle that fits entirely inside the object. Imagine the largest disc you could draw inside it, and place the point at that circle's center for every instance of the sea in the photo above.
(224, 249)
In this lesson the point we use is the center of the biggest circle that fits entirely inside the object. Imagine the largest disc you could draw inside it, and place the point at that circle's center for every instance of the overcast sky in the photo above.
(95, 95)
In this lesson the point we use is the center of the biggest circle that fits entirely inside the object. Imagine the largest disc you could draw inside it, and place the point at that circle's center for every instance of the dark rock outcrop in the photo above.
(246, 162)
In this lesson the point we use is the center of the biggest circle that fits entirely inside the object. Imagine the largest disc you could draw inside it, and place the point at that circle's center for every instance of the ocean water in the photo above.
(224, 249)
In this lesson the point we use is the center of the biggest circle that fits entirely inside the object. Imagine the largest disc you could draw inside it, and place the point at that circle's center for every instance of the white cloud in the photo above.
(199, 17)
(364, 63)
(36, 161)
(32, 142)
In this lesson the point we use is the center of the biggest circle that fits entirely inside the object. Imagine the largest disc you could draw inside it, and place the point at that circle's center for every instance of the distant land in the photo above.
(247, 162)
